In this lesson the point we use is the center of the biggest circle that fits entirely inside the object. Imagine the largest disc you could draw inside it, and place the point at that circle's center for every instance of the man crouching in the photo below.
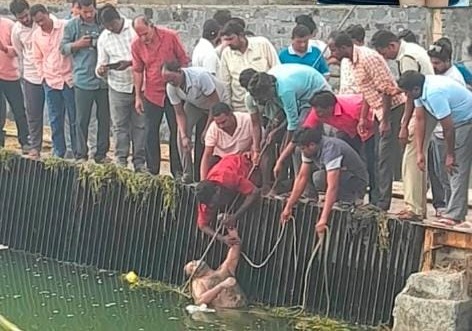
(217, 288)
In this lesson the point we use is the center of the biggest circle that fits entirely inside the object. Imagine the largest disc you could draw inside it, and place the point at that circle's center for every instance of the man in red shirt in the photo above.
(227, 179)
(154, 47)
(341, 112)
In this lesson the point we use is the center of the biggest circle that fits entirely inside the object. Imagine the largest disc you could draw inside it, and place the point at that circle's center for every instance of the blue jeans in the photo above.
(59, 102)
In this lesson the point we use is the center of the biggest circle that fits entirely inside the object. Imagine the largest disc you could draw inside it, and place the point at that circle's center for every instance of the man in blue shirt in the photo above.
(80, 41)
(451, 104)
(301, 52)
(291, 86)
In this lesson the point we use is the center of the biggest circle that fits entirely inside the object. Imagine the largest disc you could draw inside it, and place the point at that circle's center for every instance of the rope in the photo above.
(7, 325)
(266, 260)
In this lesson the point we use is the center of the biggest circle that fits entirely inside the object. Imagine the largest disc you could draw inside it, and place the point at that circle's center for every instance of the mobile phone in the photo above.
(113, 66)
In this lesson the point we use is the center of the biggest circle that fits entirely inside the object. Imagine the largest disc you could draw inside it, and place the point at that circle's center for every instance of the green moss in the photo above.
(368, 213)
(6, 157)
(56, 163)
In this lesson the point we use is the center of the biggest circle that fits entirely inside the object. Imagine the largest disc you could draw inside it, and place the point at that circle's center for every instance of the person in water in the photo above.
(217, 288)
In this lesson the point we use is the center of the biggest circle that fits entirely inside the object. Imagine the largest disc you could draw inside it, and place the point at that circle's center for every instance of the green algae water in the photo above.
(40, 294)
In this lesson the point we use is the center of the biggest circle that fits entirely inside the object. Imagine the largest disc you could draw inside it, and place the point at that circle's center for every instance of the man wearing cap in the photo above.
(205, 54)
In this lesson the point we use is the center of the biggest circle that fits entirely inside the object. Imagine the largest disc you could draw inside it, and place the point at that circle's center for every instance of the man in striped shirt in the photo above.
(381, 94)
(114, 64)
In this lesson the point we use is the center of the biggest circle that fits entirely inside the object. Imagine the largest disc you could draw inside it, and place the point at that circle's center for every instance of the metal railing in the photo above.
(52, 213)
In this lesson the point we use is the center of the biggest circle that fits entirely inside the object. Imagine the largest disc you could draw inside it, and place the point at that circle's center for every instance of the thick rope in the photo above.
(266, 260)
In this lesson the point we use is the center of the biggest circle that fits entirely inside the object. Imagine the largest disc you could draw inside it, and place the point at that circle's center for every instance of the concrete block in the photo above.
(418, 314)
(437, 285)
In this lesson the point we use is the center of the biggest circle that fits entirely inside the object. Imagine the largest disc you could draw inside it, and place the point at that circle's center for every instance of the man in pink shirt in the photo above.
(10, 86)
(341, 112)
(55, 71)
(22, 41)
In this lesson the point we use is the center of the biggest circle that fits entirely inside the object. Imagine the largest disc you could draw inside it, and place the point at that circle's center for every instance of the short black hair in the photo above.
(411, 79)
(173, 66)
(238, 20)
(307, 21)
(87, 3)
(231, 28)
(38, 8)
(408, 36)
(245, 77)
(383, 38)
(441, 49)
(305, 136)
(222, 16)
(211, 28)
(300, 31)
(220, 108)
(205, 191)
(18, 6)
(108, 14)
(260, 83)
(356, 32)
(323, 99)
(341, 38)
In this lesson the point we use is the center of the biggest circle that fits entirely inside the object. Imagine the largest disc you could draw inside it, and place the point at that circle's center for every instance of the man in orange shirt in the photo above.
(10, 86)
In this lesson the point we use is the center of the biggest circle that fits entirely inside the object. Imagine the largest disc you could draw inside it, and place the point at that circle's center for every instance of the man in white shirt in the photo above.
(21, 39)
(409, 56)
(192, 92)
(114, 63)
(205, 54)
(229, 133)
(243, 53)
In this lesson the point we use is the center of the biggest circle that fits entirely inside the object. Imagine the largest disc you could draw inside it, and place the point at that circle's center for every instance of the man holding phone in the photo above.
(80, 42)
(114, 65)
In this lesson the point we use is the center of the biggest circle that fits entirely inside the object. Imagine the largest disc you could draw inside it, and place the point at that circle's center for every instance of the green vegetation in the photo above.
(6, 157)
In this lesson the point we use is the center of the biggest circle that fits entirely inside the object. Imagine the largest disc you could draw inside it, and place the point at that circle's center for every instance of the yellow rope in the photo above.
(7, 325)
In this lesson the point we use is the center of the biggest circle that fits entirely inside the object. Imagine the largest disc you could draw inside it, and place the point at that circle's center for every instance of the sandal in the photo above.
(407, 215)
(446, 222)
(464, 227)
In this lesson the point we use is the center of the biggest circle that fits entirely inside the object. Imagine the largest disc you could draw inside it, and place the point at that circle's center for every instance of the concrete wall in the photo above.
(276, 22)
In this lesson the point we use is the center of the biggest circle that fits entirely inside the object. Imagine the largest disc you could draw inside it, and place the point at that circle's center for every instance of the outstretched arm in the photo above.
(234, 252)
(207, 297)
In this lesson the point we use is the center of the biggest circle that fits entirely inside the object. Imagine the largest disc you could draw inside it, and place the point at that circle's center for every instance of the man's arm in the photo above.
(16, 43)
(181, 119)
(297, 190)
(179, 51)
(450, 139)
(224, 75)
(272, 56)
(256, 132)
(207, 297)
(205, 165)
(386, 110)
(70, 44)
(332, 186)
(138, 77)
(409, 108)
(37, 58)
(232, 258)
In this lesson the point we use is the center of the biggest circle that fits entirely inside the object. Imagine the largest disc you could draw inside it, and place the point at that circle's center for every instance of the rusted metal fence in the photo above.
(52, 213)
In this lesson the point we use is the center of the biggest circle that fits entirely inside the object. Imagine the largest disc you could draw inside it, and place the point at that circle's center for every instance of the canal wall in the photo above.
(117, 221)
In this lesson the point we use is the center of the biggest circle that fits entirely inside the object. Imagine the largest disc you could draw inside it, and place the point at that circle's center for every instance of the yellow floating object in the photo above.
(131, 277)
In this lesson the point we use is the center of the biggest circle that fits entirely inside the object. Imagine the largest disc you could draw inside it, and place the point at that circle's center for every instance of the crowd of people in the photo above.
(244, 119)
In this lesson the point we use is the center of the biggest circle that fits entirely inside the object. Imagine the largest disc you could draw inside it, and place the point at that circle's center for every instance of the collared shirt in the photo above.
(442, 96)
(53, 67)
(456, 75)
(205, 55)
(347, 83)
(412, 56)
(374, 79)
(8, 61)
(199, 85)
(22, 41)
(345, 118)
(295, 85)
(225, 144)
(149, 59)
(115, 47)
(312, 58)
(232, 172)
(260, 56)
(336, 154)
(84, 59)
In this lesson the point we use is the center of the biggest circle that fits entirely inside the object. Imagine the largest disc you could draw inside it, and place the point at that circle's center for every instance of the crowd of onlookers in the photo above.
(238, 105)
